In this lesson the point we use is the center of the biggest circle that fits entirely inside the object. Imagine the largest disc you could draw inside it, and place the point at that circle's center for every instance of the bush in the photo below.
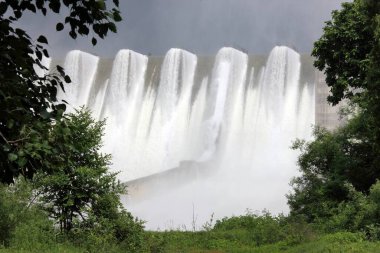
(263, 229)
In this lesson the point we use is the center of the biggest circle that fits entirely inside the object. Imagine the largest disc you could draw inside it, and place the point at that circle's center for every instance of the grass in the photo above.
(233, 241)
(216, 242)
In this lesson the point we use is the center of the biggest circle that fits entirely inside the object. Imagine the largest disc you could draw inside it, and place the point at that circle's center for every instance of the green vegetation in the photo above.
(28, 102)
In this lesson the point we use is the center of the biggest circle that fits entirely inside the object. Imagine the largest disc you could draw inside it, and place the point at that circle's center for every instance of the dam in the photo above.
(194, 136)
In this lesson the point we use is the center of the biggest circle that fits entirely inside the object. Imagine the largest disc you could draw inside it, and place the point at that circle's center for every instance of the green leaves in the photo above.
(79, 176)
(116, 16)
(112, 27)
(28, 103)
(12, 157)
(346, 42)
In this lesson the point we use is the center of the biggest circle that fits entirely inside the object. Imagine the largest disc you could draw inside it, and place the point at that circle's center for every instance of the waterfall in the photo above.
(81, 67)
(198, 134)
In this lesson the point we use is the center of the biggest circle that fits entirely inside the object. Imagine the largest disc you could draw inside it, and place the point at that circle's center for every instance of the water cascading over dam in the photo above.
(196, 135)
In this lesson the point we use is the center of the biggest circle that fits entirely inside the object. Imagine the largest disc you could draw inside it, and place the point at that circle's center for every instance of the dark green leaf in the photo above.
(45, 114)
(22, 161)
(10, 123)
(116, 16)
(12, 157)
(112, 27)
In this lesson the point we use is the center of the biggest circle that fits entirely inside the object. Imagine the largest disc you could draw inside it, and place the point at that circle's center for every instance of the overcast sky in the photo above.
(200, 26)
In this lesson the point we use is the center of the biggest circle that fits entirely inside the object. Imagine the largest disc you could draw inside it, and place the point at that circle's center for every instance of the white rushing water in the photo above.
(193, 140)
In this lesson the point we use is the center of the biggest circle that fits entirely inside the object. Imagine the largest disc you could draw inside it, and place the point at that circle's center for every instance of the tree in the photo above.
(330, 165)
(342, 51)
(348, 52)
(80, 179)
(28, 102)
(80, 192)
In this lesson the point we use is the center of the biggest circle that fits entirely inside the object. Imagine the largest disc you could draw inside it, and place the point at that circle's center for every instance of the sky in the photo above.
(199, 26)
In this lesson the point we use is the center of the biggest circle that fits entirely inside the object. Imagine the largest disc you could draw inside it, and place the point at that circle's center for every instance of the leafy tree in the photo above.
(348, 52)
(80, 183)
(80, 193)
(328, 164)
(28, 102)
(343, 51)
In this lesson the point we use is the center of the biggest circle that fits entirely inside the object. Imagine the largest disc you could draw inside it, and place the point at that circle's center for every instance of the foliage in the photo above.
(329, 165)
(339, 168)
(17, 213)
(342, 51)
(348, 52)
(60, 152)
(263, 229)
(79, 184)
(79, 193)
(25, 227)
(237, 241)
(28, 102)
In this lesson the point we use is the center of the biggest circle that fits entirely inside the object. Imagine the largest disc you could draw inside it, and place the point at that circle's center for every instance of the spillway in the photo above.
(193, 135)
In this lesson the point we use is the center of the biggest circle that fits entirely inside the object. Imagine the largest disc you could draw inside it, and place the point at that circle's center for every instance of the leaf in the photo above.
(94, 41)
(59, 27)
(17, 13)
(55, 5)
(73, 34)
(40, 4)
(42, 39)
(45, 53)
(112, 27)
(10, 123)
(116, 16)
(67, 79)
(62, 87)
(45, 114)
(32, 8)
(39, 55)
(83, 30)
(12, 157)
(101, 4)
(60, 70)
(6, 147)
(3, 8)
(22, 161)
(116, 2)
(61, 107)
